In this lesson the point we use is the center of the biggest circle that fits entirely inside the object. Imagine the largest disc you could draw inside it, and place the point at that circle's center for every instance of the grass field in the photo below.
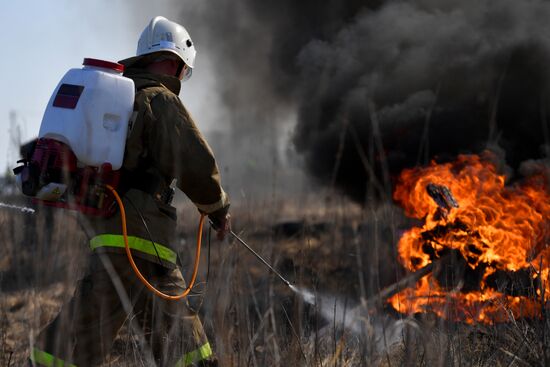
(341, 253)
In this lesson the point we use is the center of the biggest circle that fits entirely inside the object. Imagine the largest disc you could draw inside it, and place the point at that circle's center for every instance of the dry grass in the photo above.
(340, 252)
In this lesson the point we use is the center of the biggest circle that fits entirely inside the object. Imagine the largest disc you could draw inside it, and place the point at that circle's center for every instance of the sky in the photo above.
(44, 39)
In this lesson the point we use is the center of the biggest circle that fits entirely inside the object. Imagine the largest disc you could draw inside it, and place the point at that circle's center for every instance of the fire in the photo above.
(495, 231)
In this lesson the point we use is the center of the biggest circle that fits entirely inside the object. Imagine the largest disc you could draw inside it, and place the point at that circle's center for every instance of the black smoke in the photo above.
(380, 86)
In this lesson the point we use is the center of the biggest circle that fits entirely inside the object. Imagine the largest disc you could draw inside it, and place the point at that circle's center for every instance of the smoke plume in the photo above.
(380, 86)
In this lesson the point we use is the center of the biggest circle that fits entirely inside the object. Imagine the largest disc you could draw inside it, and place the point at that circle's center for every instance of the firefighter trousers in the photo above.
(161, 332)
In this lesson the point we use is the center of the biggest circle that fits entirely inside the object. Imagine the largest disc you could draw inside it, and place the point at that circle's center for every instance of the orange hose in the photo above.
(134, 266)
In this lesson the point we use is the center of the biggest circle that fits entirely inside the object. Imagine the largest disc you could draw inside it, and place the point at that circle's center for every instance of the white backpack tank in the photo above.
(90, 110)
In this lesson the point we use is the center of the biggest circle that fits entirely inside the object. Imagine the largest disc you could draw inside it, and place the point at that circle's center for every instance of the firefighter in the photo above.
(163, 146)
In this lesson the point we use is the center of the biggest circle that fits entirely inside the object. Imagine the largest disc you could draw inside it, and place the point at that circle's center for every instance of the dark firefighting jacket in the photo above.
(163, 144)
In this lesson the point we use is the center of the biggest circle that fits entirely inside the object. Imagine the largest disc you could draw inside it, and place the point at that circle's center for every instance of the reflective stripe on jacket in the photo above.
(41, 358)
(135, 243)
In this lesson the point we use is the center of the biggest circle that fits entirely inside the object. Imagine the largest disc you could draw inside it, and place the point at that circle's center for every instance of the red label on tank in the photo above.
(68, 95)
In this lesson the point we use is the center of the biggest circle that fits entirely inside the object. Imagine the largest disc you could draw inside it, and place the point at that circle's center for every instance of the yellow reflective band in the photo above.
(46, 359)
(195, 356)
(135, 243)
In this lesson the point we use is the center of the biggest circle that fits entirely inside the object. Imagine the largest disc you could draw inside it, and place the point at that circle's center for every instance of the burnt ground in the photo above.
(338, 251)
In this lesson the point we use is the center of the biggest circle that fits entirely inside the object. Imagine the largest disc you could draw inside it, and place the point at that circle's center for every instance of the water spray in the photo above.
(22, 209)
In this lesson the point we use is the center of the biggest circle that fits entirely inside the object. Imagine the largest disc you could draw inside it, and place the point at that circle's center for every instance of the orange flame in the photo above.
(495, 228)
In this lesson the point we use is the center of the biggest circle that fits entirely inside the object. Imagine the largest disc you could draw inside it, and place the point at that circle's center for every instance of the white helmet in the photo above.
(164, 35)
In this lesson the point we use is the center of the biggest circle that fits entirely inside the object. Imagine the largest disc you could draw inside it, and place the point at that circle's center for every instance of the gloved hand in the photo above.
(221, 223)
